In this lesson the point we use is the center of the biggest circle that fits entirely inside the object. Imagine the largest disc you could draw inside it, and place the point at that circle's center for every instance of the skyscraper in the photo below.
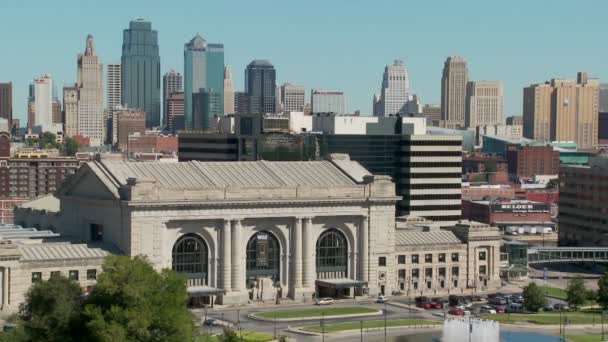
(228, 91)
(141, 70)
(6, 102)
(293, 97)
(43, 105)
(453, 90)
(484, 104)
(175, 112)
(327, 102)
(260, 81)
(564, 110)
(203, 73)
(114, 87)
(395, 90)
(90, 95)
(172, 83)
(70, 110)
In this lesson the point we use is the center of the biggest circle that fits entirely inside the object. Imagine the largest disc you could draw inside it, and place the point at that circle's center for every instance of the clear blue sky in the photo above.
(331, 44)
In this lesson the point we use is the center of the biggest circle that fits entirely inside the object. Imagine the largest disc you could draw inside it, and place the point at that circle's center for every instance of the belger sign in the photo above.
(520, 208)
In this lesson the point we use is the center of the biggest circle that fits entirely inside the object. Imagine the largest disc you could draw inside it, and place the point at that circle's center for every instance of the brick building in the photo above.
(479, 163)
(151, 143)
(485, 191)
(129, 122)
(6, 209)
(506, 212)
(33, 177)
(528, 161)
(5, 145)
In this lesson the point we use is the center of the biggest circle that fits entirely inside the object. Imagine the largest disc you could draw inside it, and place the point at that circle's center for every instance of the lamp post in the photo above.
(323, 325)
(361, 330)
(385, 321)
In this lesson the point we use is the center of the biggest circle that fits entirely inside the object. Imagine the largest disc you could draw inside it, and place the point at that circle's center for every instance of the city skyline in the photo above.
(516, 58)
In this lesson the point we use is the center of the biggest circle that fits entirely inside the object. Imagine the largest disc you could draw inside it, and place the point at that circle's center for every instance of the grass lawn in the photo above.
(554, 292)
(549, 318)
(370, 324)
(317, 312)
(248, 336)
(584, 337)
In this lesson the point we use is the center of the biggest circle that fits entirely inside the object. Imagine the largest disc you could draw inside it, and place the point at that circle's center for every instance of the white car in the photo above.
(486, 309)
(324, 301)
(381, 299)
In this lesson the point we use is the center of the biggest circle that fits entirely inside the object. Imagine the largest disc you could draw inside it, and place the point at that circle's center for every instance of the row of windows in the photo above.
(72, 275)
(431, 153)
(428, 273)
(432, 164)
(431, 207)
(428, 258)
(208, 150)
(432, 175)
(435, 186)
(443, 218)
(208, 140)
(431, 143)
(433, 197)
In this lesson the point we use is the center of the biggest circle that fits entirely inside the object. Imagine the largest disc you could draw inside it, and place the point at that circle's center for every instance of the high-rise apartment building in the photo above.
(90, 95)
(6, 102)
(57, 113)
(141, 70)
(203, 74)
(395, 90)
(563, 110)
(70, 110)
(129, 122)
(484, 104)
(241, 102)
(228, 91)
(292, 97)
(172, 83)
(43, 104)
(260, 86)
(114, 87)
(328, 102)
(453, 91)
(175, 112)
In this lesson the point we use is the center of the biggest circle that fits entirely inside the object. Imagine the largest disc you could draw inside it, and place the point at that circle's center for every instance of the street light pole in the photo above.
(362, 331)
(323, 325)
(385, 321)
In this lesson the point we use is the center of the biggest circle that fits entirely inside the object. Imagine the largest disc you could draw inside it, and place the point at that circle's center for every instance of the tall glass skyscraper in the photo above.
(141, 70)
(260, 85)
(203, 82)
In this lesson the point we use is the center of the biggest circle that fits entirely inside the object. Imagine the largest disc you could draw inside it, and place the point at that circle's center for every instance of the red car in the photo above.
(499, 308)
(424, 305)
(437, 305)
(456, 312)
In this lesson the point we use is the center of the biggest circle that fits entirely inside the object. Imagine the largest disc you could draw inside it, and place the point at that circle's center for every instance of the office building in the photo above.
(175, 112)
(228, 91)
(327, 102)
(140, 64)
(203, 82)
(260, 86)
(292, 97)
(394, 94)
(57, 113)
(70, 110)
(453, 91)
(484, 104)
(432, 112)
(6, 102)
(515, 120)
(114, 82)
(90, 95)
(241, 102)
(563, 110)
(507, 131)
(603, 97)
(172, 83)
(129, 122)
(43, 105)
(583, 204)
(526, 162)
(34, 177)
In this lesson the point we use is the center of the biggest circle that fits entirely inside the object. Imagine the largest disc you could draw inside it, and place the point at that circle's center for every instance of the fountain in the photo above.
(470, 330)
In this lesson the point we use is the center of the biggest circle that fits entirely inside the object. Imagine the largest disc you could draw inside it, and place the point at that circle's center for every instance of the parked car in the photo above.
(324, 301)
(212, 322)
(423, 299)
(561, 307)
(456, 312)
(518, 299)
(499, 308)
(424, 305)
(497, 301)
(548, 308)
(515, 308)
(381, 299)
(486, 309)
(437, 305)
(454, 300)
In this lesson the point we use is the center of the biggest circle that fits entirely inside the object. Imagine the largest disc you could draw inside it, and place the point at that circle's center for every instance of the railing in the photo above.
(567, 254)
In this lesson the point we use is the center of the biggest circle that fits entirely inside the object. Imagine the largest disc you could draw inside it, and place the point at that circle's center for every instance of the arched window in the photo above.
(263, 257)
(190, 255)
(332, 255)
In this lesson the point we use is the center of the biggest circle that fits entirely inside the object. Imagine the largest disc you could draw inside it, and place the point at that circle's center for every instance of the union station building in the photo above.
(247, 231)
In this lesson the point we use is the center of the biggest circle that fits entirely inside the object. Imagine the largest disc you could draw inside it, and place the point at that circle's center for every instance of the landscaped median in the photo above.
(245, 336)
(336, 327)
(585, 337)
(316, 313)
(549, 318)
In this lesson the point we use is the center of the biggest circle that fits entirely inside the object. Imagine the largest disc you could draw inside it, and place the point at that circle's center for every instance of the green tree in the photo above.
(534, 298)
(602, 291)
(52, 311)
(48, 140)
(576, 293)
(132, 301)
(70, 146)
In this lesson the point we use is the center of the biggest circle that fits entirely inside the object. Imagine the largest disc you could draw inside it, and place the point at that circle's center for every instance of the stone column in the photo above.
(3, 287)
(364, 251)
(226, 257)
(237, 264)
(307, 253)
(297, 253)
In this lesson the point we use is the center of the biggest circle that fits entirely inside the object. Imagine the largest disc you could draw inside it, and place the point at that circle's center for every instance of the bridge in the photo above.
(538, 255)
